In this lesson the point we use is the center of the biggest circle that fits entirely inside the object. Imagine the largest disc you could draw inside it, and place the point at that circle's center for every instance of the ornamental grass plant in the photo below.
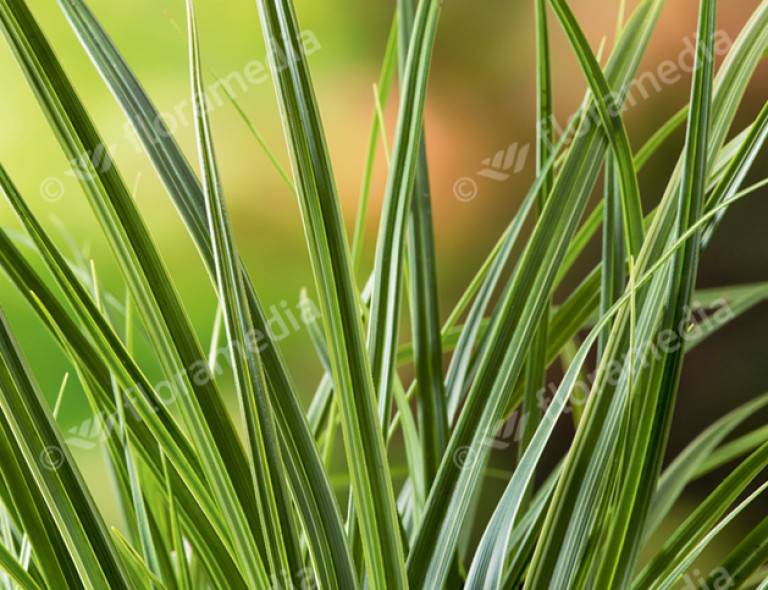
(212, 495)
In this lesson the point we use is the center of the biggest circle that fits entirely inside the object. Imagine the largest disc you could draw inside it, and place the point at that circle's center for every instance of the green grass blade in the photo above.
(413, 451)
(273, 159)
(317, 337)
(275, 511)
(318, 511)
(371, 483)
(22, 495)
(62, 486)
(173, 168)
(142, 574)
(578, 307)
(120, 457)
(145, 537)
(383, 89)
(425, 313)
(732, 450)
(487, 570)
(206, 503)
(657, 416)
(10, 565)
(608, 107)
(705, 219)
(688, 559)
(518, 312)
(144, 398)
(740, 165)
(651, 146)
(544, 100)
(651, 273)
(161, 311)
(205, 533)
(204, 538)
(685, 466)
(535, 370)
(183, 575)
(578, 312)
(658, 264)
(738, 67)
(204, 530)
(613, 273)
(642, 157)
(390, 248)
(702, 523)
(486, 283)
(745, 559)
(727, 304)
(524, 536)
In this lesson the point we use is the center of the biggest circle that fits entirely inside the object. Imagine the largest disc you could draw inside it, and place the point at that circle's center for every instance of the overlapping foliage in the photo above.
(206, 504)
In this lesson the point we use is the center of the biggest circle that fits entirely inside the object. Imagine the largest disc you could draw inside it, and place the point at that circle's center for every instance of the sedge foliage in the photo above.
(212, 498)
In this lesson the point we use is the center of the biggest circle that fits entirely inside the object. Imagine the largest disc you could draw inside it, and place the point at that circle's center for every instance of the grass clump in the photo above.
(208, 504)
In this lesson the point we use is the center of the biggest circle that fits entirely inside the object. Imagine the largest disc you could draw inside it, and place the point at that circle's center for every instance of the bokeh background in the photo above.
(481, 100)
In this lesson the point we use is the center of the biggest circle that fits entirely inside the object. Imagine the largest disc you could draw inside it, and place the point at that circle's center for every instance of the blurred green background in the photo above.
(482, 100)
